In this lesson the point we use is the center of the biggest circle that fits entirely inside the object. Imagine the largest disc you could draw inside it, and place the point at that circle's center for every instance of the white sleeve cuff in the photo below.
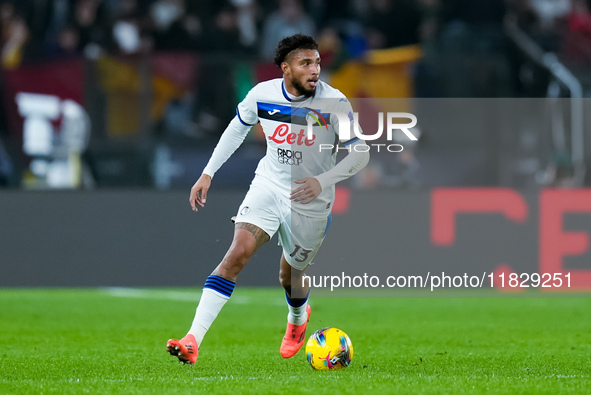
(350, 165)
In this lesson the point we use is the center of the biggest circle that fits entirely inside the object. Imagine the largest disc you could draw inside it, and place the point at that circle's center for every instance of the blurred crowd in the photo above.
(41, 29)
(560, 26)
(34, 29)
(458, 38)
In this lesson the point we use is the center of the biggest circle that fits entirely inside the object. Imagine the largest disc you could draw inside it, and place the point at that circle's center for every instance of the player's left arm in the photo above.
(310, 187)
(356, 159)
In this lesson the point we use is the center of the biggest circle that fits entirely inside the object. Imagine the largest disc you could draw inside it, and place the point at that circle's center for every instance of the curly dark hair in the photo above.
(292, 43)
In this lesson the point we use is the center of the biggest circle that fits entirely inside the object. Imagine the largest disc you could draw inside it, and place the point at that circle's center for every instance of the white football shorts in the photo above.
(300, 236)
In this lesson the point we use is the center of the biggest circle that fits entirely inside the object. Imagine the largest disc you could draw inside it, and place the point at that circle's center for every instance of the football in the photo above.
(329, 349)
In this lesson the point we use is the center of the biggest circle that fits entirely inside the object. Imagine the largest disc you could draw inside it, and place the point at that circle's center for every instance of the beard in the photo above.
(300, 88)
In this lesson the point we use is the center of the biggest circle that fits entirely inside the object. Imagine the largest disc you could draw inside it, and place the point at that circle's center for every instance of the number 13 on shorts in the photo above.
(300, 254)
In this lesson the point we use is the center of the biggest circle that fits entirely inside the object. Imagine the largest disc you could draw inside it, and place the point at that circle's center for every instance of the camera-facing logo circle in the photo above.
(245, 210)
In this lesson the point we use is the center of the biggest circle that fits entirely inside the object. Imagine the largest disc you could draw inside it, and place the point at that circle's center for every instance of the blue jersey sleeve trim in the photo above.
(328, 221)
(240, 119)
(351, 141)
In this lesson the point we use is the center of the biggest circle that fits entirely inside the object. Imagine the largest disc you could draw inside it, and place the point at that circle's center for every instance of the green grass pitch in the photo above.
(113, 341)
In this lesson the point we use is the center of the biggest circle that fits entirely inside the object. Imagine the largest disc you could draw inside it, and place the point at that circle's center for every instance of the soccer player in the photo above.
(292, 192)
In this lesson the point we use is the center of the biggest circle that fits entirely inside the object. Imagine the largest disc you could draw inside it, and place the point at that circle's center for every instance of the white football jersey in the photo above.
(291, 155)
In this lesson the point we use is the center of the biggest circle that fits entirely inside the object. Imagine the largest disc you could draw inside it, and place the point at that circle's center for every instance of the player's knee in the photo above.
(237, 257)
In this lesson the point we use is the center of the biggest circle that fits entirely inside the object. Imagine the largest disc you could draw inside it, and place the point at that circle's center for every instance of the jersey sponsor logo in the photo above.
(275, 111)
(289, 157)
(282, 135)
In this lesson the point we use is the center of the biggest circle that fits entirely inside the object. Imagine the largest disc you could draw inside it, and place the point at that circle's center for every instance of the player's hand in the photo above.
(199, 192)
(307, 192)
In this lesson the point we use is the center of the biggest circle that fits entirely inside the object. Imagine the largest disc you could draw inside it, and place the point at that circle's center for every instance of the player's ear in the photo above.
(285, 67)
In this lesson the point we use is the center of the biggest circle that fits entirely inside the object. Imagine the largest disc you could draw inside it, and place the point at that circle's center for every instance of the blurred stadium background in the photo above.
(111, 108)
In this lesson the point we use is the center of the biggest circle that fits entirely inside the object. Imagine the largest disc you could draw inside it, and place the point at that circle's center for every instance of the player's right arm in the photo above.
(198, 194)
(232, 138)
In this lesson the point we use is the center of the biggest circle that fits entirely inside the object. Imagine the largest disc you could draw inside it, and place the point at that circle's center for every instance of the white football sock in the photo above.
(216, 293)
(297, 315)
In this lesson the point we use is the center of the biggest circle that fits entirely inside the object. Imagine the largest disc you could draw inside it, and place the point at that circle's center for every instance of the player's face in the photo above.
(302, 72)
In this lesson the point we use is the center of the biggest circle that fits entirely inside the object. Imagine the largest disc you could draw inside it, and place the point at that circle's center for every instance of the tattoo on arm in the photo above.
(260, 235)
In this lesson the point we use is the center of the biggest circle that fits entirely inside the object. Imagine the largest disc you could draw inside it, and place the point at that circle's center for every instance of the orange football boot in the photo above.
(294, 338)
(186, 349)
